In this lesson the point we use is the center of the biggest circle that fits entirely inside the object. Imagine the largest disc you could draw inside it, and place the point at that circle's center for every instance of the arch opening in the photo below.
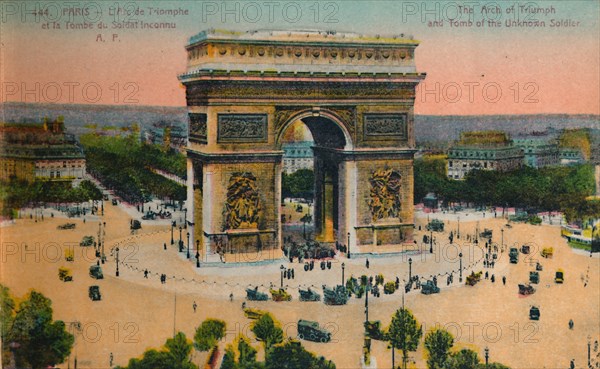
(310, 185)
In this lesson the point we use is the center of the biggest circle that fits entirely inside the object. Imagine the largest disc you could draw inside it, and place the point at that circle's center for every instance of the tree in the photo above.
(229, 359)
(267, 331)
(247, 358)
(492, 366)
(208, 334)
(404, 333)
(178, 351)
(438, 343)
(291, 355)
(175, 354)
(463, 359)
(42, 342)
(7, 312)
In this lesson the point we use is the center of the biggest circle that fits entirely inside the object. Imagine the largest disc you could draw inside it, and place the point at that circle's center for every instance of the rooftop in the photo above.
(299, 37)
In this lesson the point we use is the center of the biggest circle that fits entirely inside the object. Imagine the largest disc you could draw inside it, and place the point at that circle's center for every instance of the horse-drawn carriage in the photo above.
(280, 295)
(94, 293)
(429, 287)
(253, 294)
(335, 296)
(547, 252)
(66, 226)
(309, 295)
(310, 331)
(534, 277)
(534, 313)
(487, 233)
(87, 241)
(526, 289)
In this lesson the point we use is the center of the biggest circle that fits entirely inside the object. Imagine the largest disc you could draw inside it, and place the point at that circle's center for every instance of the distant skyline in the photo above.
(537, 70)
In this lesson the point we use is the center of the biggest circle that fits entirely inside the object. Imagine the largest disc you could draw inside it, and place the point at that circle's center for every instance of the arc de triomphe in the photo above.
(355, 93)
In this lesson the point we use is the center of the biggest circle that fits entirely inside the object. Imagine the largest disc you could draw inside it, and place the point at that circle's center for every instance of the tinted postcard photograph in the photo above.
(300, 184)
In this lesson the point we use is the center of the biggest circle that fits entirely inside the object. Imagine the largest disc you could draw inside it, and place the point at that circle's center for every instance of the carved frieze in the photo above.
(384, 198)
(197, 126)
(385, 126)
(198, 94)
(242, 128)
(243, 207)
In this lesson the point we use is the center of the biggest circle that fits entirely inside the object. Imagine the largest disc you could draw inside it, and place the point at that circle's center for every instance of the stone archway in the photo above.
(355, 94)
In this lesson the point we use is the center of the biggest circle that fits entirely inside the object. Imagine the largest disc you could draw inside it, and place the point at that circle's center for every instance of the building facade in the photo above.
(539, 150)
(39, 153)
(488, 150)
(297, 155)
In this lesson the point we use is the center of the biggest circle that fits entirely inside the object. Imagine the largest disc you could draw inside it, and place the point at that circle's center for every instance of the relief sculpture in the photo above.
(243, 207)
(197, 125)
(385, 126)
(385, 201)
(242, 128)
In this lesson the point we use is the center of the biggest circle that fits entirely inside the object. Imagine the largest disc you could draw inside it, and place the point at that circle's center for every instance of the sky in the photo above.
(473, 67)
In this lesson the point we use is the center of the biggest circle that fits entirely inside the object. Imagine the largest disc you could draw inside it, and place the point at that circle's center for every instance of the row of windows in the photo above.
(475, 164)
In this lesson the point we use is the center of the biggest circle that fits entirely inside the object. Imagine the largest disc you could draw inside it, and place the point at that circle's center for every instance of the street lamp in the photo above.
(367, 289)
(103, 256)
(343, 267)
(431, 241)
(348, 251)
(180, 241)
(409, 269)
(282, 268)
(188, 245)
(117, 250)
(502, 232)
(460, 270)
(185, 218)
(197, 253)
(589, 351)
(172, 225)
(458, 231)
(487, 356)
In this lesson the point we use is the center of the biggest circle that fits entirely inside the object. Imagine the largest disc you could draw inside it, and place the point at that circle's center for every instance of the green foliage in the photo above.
(301, 183)
(545, 189)
(492, 366)
(229, 359)
(438, 343)
(404, 333)
(16, 194)
(292, 355)
(268, 331)
(247, 354)
(389, 288)
(175, 354)
(208, 334)
(463, 359)
(42, 341)
(125, 165)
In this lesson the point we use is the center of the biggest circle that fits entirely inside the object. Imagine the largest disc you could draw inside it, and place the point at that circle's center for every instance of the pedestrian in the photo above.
(231, 297)
(504, 280)
(486, 275)
(243, 305)
(571, 324)
(165, 245)
(367, 263)
(111, 359)
(493, 279)
(146, 273)
(194, 306)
